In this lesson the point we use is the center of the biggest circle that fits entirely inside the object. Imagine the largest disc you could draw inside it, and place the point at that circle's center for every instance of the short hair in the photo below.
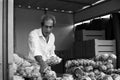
(48, 17)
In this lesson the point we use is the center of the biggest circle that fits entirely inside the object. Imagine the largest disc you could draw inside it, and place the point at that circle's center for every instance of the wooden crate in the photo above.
(90, 48)
(84, 35)
(105, 46)
(93, 34)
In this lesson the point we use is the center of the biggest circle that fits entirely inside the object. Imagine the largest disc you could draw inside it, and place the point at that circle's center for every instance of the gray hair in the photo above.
(48, 17)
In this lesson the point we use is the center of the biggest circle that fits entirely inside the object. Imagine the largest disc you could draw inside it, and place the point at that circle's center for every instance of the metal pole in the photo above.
(116, 26)
(5, 40)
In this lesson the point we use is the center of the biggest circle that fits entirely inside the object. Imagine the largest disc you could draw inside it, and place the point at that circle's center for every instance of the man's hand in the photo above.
(53, 60)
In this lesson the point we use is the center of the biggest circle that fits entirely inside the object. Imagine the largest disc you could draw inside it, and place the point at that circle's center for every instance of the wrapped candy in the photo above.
(110, 61)
(85, 78)
(67, 77)
(50, 75)
(53, 60)
(78, 72)
(102, 57)
(98, 68)
(93, 78)
(107, 77)
(112, 56)
(110, 66)
(103, 68)
(28, 71)
(91, 74)
(68, 63)
(15, 77)
(14, 68)
(88, 68)
(115, 76)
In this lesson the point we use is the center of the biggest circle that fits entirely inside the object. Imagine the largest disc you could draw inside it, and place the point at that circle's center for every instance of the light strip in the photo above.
(86, 7)
(98, 2)
(106, 16)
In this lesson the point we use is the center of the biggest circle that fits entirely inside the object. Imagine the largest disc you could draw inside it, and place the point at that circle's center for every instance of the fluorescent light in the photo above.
(86, 7)
(88, 21)
(98, 2)
(106, 16)
(78, 24)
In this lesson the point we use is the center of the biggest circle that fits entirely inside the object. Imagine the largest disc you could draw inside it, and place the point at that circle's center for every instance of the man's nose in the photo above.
(48, 29)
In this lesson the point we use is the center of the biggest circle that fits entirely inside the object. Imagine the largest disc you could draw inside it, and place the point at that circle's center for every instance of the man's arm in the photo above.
(36, 51)
(43, 64)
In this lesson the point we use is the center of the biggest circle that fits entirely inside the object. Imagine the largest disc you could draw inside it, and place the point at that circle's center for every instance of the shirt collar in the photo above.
(40, 32)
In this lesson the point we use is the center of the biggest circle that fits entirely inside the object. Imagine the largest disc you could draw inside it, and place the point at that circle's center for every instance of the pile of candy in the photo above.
(101, 67)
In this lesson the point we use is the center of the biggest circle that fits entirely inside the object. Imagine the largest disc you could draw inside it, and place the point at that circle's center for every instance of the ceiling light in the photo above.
(55, 10)
(38, 7)
(19, 6)
(29, 6)
(70, 12)
(62, 10)
(46, 8)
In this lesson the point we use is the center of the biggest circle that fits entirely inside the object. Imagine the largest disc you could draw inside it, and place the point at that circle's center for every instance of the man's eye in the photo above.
(48, 26)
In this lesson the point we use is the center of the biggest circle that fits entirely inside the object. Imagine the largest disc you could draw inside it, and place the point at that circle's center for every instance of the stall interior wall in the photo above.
(29, 19)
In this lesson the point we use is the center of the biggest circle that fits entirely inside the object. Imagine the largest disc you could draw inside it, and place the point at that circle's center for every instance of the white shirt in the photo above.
(39, 46)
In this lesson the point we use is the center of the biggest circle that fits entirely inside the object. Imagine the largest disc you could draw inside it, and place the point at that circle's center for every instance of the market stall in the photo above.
(89, 51)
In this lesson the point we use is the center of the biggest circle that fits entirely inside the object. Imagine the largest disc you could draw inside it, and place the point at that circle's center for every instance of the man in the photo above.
(41, 44)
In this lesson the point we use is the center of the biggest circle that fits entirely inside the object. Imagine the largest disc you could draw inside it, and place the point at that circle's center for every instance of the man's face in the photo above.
(47, 27)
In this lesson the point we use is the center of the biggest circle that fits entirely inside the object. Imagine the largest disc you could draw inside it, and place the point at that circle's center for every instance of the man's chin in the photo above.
(47, 34)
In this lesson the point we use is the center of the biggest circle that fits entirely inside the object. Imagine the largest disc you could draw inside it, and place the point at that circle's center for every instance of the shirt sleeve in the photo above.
(33, 44)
